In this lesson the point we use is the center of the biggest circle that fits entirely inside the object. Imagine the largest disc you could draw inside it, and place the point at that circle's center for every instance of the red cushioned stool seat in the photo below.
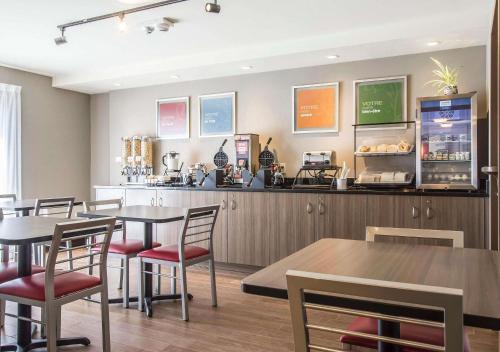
(171, 253)
(33, 286)
(126, 247)
(8, 271)
(417, 333)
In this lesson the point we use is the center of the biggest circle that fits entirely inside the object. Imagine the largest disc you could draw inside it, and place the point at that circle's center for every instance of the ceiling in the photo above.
(266, 35)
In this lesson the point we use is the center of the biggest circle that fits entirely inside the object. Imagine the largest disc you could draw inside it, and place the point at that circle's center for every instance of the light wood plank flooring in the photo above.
(241, 322)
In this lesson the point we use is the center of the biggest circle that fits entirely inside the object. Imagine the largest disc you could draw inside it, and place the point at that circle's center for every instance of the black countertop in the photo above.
(352, 190)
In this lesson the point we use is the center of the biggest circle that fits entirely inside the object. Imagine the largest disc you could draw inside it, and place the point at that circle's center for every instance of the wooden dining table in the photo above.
(475, 271)
(148, 215)
(23, 232)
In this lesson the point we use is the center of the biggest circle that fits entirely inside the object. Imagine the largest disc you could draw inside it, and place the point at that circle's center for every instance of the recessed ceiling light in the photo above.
(246, 68)
(117, 84)
(332, 57)
(175, 77)
(434, 43)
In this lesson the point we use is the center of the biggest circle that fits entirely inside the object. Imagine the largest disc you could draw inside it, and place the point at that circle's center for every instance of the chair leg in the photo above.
(211, 266)
(185, 310)
(58, 322)
(36, 254)
(122, 264)
(70, 255)
(140, 285)
(2, 313)
(158, 281)
(126, 277)
(173, 281)
(43, 326)
(51, 326)
(106, 337)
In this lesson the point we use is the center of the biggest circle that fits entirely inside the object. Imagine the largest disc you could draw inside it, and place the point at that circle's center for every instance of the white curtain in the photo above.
(10, 139)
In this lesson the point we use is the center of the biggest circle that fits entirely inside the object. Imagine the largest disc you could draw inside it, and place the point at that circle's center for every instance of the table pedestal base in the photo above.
(42, 343)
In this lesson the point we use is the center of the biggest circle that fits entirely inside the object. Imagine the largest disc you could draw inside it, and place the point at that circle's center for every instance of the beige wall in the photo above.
(264, 107)
(55, 137)
(99, 130)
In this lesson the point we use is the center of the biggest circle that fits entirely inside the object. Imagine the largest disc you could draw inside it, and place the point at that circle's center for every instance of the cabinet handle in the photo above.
(309, 208)
(233, 204)
(160, 201)
(152, 201)
(223, 206)
(321, 207)
(429, 213)
(414, 212)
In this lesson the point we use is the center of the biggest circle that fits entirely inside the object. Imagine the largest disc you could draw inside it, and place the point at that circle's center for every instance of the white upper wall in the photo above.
(268, 35)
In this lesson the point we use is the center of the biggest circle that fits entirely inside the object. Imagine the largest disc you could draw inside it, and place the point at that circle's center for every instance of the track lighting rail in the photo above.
(118, 14)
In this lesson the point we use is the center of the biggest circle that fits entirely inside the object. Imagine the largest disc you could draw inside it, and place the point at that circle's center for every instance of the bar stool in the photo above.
(198, 228)
(124, 249)
(53, 288)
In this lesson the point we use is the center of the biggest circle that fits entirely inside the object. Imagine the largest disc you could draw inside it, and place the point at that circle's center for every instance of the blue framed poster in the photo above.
(217, 114)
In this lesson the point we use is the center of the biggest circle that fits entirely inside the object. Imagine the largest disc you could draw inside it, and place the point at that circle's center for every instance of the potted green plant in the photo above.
(446, 78)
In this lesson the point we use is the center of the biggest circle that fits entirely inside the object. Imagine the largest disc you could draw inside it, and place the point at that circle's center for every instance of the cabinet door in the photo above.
(135, 230)
(293, 223)
(457, 213)
(393, 211)
(168, 233)
(248, 228)
(202, 198)
(110, 193)
(341, 216)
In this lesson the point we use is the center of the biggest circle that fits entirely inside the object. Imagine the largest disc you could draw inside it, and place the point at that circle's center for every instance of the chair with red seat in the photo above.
(8, 271)
(124, 249)
(194, 246)
(379, 294)
(51, 289)
(405, 235)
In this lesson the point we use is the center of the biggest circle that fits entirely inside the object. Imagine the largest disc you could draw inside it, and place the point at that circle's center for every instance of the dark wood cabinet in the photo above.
(201, 198)
(457, 213)
(341, 216)
(393, 211)
(248, 221)
(293, 223)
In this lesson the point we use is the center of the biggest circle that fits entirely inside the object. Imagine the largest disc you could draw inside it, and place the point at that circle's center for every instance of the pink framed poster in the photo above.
(172, 118)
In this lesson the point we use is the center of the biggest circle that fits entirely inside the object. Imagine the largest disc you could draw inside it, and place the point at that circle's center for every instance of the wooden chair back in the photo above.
(78, 230)
(444, 300)
(198, 228)
(438, 237)
(56, 207)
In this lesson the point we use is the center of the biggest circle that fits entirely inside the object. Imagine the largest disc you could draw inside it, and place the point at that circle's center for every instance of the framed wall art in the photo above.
(172, 118)
(217, 114)
(381, 101)
(316, 108)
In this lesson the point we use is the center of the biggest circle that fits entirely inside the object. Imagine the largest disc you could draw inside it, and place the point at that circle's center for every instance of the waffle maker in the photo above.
(264, 176)
(215, 178)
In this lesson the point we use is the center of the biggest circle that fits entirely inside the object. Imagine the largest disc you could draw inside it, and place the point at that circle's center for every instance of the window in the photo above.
(10, 139)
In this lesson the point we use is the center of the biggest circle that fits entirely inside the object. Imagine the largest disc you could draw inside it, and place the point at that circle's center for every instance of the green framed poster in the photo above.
(381, 100)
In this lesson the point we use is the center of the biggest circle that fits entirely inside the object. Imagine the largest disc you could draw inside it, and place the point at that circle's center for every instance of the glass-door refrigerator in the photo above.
(447, 142)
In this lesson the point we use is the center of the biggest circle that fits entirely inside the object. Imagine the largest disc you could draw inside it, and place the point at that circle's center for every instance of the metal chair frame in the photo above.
(124, 258)
(51, 306)
(457, 237)
(447, 300)
(204, 233)
(48, 204)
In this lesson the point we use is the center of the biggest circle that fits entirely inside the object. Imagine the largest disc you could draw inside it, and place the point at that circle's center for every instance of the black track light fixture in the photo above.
(212, 7)
(62, 39)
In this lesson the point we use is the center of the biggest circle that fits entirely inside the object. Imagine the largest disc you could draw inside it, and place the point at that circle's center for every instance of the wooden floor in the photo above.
(241, 322)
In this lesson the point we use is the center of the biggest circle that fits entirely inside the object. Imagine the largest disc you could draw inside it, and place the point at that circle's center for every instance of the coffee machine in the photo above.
(247, 155)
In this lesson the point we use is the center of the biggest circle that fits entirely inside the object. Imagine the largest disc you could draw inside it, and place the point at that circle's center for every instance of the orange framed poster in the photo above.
(316, 108)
